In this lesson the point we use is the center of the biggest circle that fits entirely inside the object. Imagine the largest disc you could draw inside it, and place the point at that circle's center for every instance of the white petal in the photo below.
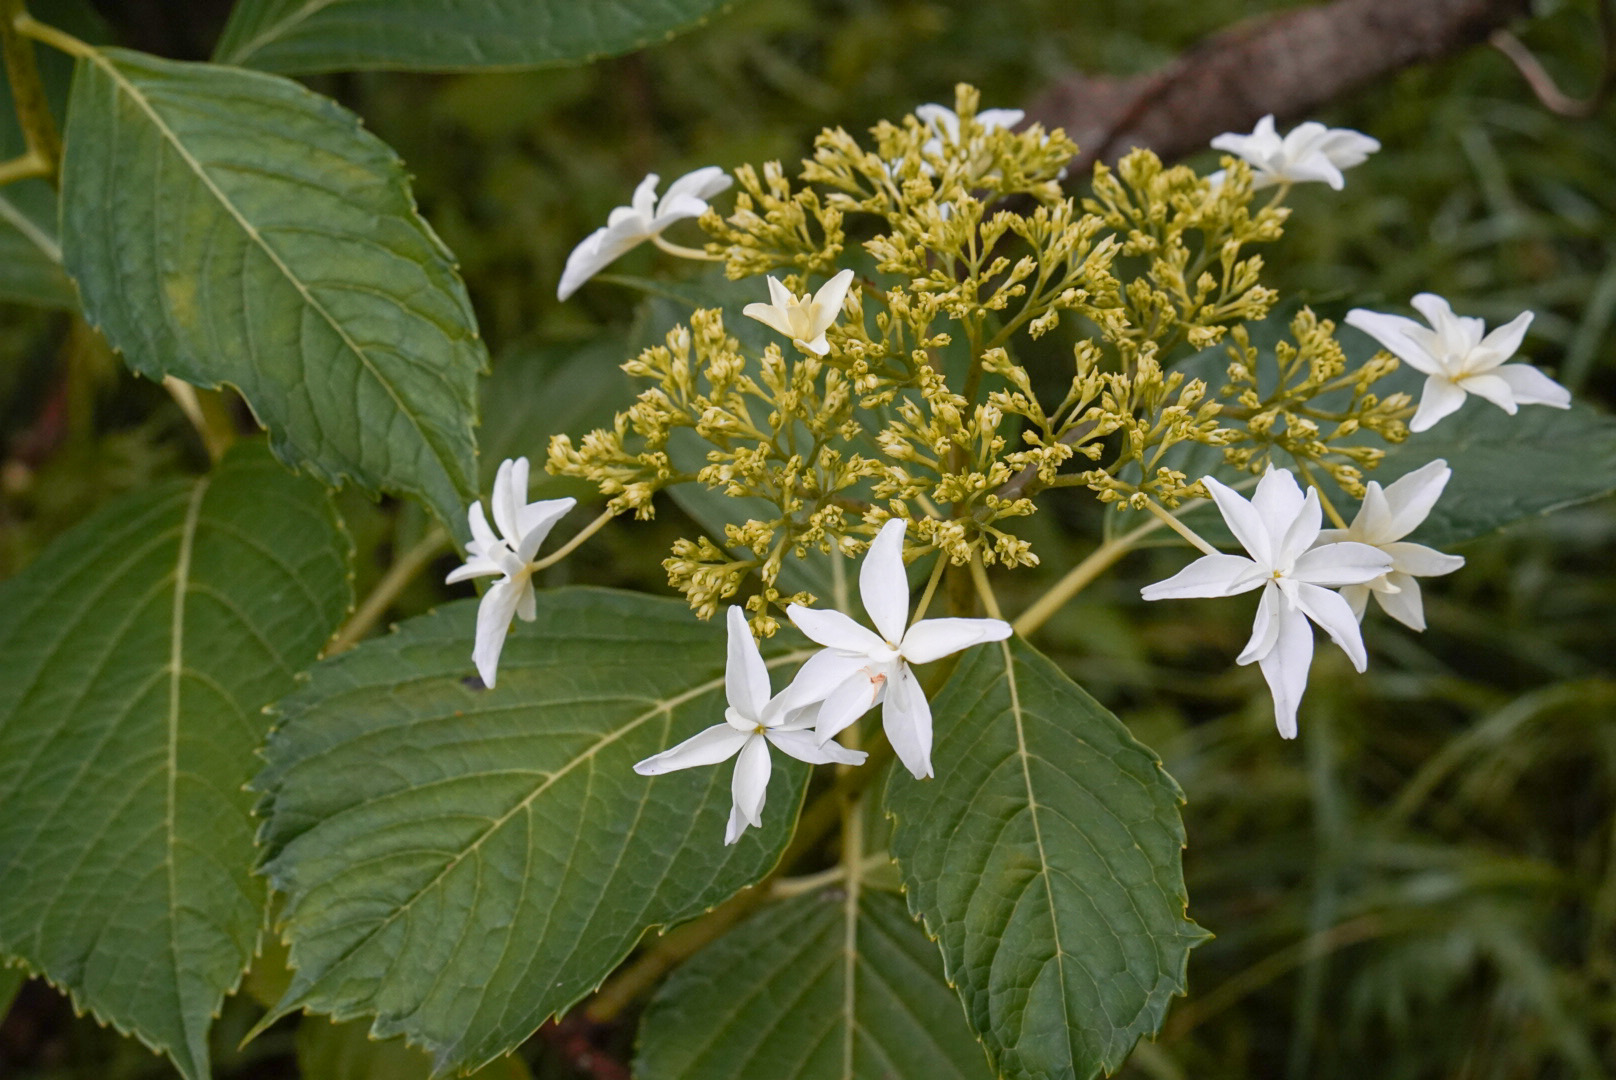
(1285, 669)
(1347, 148)
(493, 623)
(906, 718)
(827, 302)
(933, 639)
(1421, 561)
(941, 119)
(644, 198)
(819, 346)
(707, 747)
(993, 119)
(806, 746)
(1409, 500)
(1278, 502)
(1405, 605)
(1210, 575)
(1330, 611)
(834, 630)
(536, 520)
(1334, 565)
(675, 208)
(1505, 341)
(780, 296)
(883, 585)
(474, 568)
(527, 601)
(1302, 531)
(746, 679)
(819, 675)
(1315, 167)
(482, 537)
(507, 499)
(852, 698)
(736, 826)
(750, 784)
(1243, 520)
(769, 315)
(701, 183)
(1491, 388)
(1531, 387)
(1373, 522)
(1265, 627)
(1357, 598)
(1439, 313)
(1439, 398)
(599, 250)
(1403, 337)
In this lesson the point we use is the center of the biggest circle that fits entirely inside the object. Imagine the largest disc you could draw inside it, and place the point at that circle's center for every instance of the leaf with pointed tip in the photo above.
(136, 656)
(1047, 861)
(817, 988)
(299, 37)
(463, 863)
(226, 226)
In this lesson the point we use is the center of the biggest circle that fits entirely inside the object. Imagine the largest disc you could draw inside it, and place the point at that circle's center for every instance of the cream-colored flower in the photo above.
(803, 319)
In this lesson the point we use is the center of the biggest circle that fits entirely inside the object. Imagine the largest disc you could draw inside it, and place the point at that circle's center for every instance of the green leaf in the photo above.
(30, 254)
(230, 227)
(1506, 468)
(464, 863)
(818, 988)
(303, 36)
(136, 656)
(1046, 860)
(347, 1052)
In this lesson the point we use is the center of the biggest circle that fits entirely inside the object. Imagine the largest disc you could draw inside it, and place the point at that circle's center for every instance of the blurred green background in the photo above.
(1422, 885)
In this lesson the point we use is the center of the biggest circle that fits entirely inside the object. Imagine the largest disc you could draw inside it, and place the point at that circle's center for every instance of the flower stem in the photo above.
(60, 40)
(395, 581)
(572, 545)
(40, 136)
(984, 589)
(931, 587)
(1180, 528)
(1324, 500)
(1078, 578)
(684, 252)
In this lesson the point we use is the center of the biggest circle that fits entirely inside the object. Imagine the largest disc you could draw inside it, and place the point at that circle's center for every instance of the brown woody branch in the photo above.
(1286, 64)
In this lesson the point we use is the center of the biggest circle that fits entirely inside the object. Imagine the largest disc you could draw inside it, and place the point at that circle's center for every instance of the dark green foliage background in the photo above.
(1426, 879)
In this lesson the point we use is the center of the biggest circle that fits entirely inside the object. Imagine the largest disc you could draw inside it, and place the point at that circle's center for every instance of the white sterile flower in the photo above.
(1456, 359)
(1385, 517)
(752, 721)
(522, 528)
(1278, 528)
(645, 218)
(946, 123)
(859, 669)
(803, 319)
(1308, 152)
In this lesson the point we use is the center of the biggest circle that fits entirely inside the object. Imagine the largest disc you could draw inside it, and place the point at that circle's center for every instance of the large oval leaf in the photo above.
(304, 36)
(136, 656)
(1046, 860)
(226, 226)
(832, 986)
(463, 863)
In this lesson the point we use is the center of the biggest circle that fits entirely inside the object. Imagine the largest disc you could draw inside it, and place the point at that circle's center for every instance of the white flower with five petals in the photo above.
(803, 319)
(1457, 357)
(1308, 152)
(1278, 527)
(859, 669)
(1385, 517)
(645, 218)
(510, 554)
(752, 722)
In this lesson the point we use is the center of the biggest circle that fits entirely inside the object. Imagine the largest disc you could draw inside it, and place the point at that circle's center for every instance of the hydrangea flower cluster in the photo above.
(893, 417)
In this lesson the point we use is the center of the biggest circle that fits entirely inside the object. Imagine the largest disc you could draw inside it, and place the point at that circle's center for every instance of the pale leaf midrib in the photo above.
(274, 30)
(1024, 757)
(202, 174)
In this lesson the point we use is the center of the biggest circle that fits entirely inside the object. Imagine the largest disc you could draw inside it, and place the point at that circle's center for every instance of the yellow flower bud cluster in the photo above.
(915, 403)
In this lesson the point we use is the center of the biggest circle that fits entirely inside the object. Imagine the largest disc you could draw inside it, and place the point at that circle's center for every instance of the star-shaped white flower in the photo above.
(522, 528)
(859, 669)
(1385, 517)
(1309, 152)
(1456, 359)
(1278, 528)
(645, 218)
(752, 721)
(803, 319)
(946, 123)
